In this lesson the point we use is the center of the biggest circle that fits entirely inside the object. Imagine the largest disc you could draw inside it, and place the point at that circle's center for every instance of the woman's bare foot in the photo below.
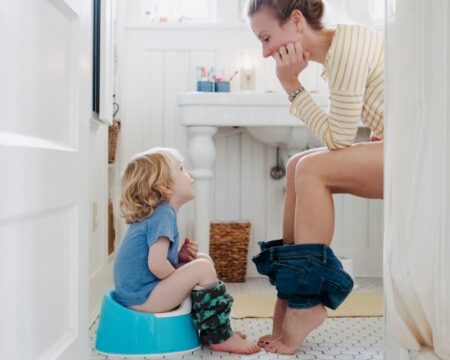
(297, 324)
(278, 316)
(204, 338)
(236, 344)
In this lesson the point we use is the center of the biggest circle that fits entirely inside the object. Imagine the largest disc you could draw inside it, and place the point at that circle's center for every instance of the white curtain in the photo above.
(417, 175)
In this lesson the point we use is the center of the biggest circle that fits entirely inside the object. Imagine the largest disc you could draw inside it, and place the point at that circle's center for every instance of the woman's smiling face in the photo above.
(271, 34)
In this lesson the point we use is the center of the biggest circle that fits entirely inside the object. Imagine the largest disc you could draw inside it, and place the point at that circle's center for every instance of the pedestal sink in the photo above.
(265, 115)
(239, 109)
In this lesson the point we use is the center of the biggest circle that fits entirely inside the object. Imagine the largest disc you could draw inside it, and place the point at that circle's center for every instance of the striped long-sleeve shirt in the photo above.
(354, 70)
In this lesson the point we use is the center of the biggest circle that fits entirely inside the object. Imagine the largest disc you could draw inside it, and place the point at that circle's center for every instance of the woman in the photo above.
(291, 31)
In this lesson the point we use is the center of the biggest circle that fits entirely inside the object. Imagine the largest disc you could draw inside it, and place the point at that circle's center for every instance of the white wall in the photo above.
(98, 195)
(99, 267)
(157, 62)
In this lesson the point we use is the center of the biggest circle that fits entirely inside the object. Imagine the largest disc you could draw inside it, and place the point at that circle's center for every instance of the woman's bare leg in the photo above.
(290, 195)
(356, 170)
(288, 238)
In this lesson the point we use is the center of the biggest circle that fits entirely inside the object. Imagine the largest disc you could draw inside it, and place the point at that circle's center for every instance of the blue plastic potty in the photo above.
(122, 331)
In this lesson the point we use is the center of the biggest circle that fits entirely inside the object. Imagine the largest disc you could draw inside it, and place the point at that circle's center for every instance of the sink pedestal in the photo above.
(202, 153)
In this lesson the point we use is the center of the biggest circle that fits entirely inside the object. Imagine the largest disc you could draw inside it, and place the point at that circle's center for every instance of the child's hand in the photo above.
(188, 251)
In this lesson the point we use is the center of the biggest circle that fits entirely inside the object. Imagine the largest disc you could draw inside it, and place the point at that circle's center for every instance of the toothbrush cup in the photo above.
(205, 86)
(222, 86)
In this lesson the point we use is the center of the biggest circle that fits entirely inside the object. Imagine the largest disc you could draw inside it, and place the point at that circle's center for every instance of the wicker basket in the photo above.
(228, 248)
(113, 132)
(111, 231)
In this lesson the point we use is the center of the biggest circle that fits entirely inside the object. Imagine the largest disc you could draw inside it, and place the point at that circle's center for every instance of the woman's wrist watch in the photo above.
(295, 93)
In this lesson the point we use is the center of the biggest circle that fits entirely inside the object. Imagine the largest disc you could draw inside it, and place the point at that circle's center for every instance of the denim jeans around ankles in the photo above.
(305, 275)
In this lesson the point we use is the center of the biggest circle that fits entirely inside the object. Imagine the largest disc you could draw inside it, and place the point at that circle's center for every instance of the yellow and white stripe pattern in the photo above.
(354, 69)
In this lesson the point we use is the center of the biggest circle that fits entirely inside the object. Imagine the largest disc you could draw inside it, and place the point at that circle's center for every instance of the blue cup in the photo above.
(222, 86)
(205, 86)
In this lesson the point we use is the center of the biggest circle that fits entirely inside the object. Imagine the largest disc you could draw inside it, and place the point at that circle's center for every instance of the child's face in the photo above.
(182, 187)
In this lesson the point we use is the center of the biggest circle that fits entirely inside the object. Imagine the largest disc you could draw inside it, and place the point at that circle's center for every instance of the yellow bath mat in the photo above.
(357, 304)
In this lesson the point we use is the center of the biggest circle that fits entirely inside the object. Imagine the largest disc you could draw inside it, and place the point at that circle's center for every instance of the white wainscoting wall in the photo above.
(99, 260)
(157, 62)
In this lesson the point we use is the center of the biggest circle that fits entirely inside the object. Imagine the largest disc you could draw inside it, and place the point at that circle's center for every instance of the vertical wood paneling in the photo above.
(274, 194)
(174, 82)
(252, 194)
(229, 61)
(339, 230)
(375, 224)
(153, 83)
(131, 104)
(232, 178)
(355, 222)
(227, 174)
(219, 181)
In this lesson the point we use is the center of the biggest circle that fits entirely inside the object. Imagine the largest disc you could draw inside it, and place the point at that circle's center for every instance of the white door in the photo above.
(45, 101)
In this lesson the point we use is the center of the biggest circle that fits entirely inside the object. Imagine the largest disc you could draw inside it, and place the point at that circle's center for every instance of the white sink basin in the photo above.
(289, 136)
(265, 115)
(238, 109)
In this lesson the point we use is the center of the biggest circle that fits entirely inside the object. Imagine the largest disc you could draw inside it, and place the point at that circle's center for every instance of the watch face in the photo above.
(295, 93)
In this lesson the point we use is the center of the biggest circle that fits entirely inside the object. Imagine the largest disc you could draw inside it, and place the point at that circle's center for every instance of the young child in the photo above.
(150, 274)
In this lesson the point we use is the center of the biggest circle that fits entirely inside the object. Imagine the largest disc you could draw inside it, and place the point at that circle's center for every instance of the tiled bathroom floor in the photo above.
(337, 339)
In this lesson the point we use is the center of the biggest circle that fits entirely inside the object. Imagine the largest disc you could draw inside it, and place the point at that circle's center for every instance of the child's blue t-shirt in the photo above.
(133, 279)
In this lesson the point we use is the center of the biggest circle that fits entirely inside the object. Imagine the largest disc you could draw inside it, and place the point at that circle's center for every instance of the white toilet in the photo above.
(347, 263)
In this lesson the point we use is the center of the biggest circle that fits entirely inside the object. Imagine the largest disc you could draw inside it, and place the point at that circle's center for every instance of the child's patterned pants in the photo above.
(210, 310)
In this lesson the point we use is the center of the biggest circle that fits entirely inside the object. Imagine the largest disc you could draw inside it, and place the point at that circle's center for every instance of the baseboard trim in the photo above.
(99, 283)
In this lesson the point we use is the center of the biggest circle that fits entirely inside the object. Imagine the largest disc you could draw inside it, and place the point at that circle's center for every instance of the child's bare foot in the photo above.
(204, 338)
(236, 344)
(297, 324)
(278, 316)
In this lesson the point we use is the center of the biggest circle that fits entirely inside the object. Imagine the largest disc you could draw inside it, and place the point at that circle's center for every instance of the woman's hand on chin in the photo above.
(290, 60)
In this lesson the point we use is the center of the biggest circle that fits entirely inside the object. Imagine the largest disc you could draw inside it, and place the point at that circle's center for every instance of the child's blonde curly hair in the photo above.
(146, 182)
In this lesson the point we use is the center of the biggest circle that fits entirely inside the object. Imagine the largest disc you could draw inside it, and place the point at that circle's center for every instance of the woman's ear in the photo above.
(297, 19)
